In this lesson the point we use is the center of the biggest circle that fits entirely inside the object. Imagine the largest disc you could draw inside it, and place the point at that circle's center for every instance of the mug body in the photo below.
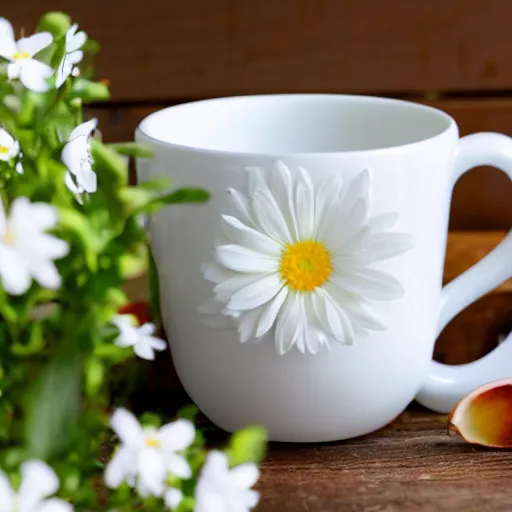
(323, 389)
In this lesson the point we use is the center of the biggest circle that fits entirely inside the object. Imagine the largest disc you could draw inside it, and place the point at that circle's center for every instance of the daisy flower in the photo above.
(33, 74)
(299, 259)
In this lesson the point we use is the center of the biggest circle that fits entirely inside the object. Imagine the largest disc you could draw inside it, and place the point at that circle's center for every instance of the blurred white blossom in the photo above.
(140, 338)
(9, 146)
(26, 250)
(147, 456)
(33, 74)
(38, 483)
(221, 489)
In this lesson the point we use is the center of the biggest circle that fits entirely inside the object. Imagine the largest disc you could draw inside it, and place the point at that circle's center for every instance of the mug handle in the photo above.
(445, 385)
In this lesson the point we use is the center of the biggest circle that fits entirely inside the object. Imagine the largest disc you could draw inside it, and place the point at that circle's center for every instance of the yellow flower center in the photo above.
(4, 150)
(305, 265)
(153, 442)
(8, 237)
(21, 55)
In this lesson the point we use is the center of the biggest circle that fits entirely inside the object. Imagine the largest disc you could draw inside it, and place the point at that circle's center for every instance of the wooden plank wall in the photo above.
(456, 54)
(453, 54)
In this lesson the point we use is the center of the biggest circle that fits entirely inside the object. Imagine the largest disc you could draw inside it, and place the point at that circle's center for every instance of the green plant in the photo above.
(70, 236)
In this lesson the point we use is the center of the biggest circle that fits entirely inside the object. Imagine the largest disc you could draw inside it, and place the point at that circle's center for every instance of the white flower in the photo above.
(76, 156)
(26, 251)
(147, 456)
(299, 259)
(220, 489)
(9, 146)
(33, 74)
(140, 338)
(72, 54)
(38, 483)
(172, 498)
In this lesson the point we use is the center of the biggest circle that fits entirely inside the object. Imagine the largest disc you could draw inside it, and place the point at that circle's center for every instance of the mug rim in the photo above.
(451, 125)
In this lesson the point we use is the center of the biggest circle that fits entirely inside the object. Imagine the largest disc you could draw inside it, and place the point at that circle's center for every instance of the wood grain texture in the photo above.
(165, 49)
(410, 466)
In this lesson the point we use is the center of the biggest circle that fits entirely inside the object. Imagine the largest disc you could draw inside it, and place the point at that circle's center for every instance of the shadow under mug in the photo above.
(306, 295)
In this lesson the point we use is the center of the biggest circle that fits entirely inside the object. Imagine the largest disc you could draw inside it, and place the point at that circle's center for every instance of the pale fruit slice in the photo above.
(484, 416)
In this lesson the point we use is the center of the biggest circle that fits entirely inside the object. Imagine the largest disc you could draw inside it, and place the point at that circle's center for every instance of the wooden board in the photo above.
(410, 466)
(171, 50)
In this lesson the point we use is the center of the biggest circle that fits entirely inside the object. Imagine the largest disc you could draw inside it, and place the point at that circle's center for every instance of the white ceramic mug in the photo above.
(306, 295)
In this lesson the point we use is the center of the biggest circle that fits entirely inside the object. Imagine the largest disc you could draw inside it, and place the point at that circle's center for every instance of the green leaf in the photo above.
(154, 291)
(54, 404)
(57, 23)
(132, 149)
(247, 445)
(109, 160)
(185, 195)
(94, 375)
(90, 91)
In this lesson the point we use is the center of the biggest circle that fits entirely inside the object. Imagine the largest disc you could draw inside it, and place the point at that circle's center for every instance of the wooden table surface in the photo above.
(413, 464)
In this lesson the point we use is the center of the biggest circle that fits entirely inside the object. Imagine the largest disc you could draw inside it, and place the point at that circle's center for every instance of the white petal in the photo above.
(370, 283)
(76, 40)
(236, 257)
(358, 188)
(216, 464)
(244, 476)
(156, 343)
(257, 180)
(152, 471)
(332, 318)
(226, 289)
(269, 217)
(288, 323)
(45, 273)
(179, 466)
(240, 207)
(54, 505)
(248, 323)
(6, 139)
(270, 312)
(127, 428)
(144, 350)
(63, 71)
(49, 246)
(216, 273)
(87, 180)
(364, 316)
(178, 435)
(119, 467)
(211, 307)
(84, 130)
(305, 201)
(173, 498)
(75, 57)
(7, 495)
(240, 234)
(250, 499)
(38, 481)
(282, 188)
(14, 69)
(315, 335)
(35, 43)
(7, 41)
(14, 150)
(15, 275)
(3, 220)
(34, 75)
(353, 221)
(384, 246)
(256, 294)
(146, 329)
(70, 183)
(383, 222)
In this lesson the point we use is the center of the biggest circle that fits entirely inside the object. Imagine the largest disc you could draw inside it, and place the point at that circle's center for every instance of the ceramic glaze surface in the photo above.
(338, 390)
